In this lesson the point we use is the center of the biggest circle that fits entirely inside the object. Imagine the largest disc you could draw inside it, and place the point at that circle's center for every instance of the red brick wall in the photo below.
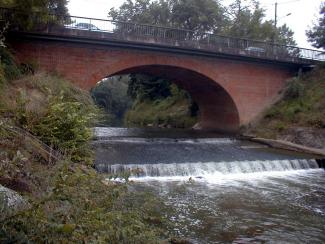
(229, 93)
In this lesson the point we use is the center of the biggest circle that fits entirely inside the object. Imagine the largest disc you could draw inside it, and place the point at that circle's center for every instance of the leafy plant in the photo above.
(9, 66)
(79, 207)
(66, 127)
(295, 89)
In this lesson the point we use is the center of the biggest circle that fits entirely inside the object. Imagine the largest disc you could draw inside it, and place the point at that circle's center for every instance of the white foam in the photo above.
(200, 169)
(218, 178)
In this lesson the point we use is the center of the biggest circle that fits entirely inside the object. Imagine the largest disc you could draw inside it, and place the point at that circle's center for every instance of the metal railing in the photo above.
(148, 34)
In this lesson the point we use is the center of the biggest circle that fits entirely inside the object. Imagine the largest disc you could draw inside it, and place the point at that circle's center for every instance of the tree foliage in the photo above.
(27, 9)
(243, 19)
(45, 6)
(196, 15)
(143, 87)
(159, 102)
(246, 20)
(316, 35)
(111, 95)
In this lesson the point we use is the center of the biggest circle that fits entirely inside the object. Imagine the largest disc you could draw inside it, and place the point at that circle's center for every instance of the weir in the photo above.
(213, 185)
(208, 169)
(151, 154)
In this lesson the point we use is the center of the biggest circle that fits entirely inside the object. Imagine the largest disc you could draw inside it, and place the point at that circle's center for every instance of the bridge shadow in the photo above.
(218, 111)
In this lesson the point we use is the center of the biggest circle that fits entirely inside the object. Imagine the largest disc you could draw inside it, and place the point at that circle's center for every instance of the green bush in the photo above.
(10, 68)
(66, 127)
(295, 89)
(2, 77)
(176, 110)
(272, 113)
(80, 208)
(280, 126)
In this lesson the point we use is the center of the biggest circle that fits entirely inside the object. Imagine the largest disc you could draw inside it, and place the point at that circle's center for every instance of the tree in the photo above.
(195, 15)
(284, 36)
(243, 19)
(29, 10)
(142, 11)
(143, 87)
(46, 6)
(316, 35)
(111, 95)
(246, 20)
(198, 15)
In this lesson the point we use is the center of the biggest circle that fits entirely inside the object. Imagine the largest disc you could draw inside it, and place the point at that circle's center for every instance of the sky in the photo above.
(303, 13)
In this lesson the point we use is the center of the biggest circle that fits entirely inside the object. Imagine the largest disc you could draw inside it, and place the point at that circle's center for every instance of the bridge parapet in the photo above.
(100, 29)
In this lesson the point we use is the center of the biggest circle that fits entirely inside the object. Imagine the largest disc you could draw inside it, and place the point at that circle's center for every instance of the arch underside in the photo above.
(217, 109)
(230, 93)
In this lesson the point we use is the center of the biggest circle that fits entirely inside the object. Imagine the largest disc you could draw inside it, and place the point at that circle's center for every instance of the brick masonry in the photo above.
(230, 93)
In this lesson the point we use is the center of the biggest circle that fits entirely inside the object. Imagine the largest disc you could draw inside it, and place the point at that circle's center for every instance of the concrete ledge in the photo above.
(280, 144)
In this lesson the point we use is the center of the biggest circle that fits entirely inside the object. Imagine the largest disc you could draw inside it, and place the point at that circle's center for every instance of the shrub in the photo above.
(80, 208)
(295, 89)
(316, 121)
(2, 76)
(10, 68)
(280, 126)
(272, 113)
(66, 127)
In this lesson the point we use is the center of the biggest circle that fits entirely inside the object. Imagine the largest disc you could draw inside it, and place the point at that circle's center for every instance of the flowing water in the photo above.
(221, 189)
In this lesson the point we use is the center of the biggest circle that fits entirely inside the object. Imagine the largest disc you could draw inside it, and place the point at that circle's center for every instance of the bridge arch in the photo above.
(241, 89)
(218, 110)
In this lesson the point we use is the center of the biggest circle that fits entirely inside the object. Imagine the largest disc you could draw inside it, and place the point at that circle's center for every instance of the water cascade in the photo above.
(220, 189)
(202, 169)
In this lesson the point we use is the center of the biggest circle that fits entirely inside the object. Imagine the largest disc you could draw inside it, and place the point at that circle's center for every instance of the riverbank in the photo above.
(173, 111)
(299, 116)
(214, 185)
(47, 163)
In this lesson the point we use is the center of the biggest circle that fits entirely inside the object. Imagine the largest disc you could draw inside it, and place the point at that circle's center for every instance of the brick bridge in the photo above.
(232, 80)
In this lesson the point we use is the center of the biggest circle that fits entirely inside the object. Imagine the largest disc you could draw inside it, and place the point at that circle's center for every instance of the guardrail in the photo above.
(148, 34)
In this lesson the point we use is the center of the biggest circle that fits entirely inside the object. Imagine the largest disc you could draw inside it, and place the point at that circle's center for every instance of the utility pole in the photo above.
(275, 14)
(275, 21)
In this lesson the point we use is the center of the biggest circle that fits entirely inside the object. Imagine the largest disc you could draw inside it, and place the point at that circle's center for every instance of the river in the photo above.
(221, 189)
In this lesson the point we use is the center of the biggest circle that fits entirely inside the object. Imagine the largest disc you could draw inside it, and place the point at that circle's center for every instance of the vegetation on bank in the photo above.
(142, 100)
(45, 155)
(302, 105)
(173, 111)
(110, 94)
